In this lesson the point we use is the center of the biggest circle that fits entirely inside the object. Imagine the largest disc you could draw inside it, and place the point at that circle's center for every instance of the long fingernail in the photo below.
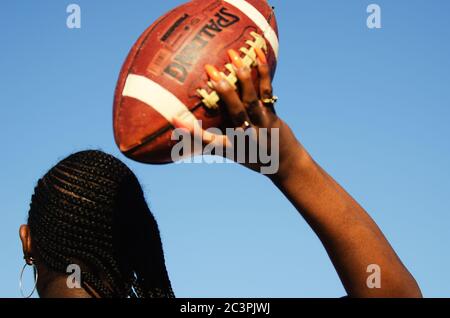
(261, 56)
(213, 73)
(235, 59)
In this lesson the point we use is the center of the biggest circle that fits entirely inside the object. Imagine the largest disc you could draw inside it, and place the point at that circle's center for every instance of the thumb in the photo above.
(194, 128)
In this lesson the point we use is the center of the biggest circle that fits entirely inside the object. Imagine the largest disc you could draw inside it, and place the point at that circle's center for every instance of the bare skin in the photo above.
(50, 284)
(350, 236)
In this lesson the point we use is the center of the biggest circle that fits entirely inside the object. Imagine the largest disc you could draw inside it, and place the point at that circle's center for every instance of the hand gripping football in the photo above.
(164, 76)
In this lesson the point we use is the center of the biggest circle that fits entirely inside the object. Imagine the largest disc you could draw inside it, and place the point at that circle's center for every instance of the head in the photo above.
(90, 211)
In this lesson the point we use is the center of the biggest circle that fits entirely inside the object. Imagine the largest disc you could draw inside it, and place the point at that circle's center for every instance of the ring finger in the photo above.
(230, 97)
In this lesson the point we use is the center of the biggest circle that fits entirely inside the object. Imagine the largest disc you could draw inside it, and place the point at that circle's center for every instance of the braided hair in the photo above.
(90, 210)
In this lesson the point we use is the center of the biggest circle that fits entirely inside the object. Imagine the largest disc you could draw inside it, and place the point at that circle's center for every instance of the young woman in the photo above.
(89, 210)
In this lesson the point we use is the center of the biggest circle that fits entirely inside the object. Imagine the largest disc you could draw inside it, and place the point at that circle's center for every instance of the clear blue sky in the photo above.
(372, 106)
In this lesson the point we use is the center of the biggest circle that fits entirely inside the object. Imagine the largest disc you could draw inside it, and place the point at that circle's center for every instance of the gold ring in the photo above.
(246, 125)
(273, 100)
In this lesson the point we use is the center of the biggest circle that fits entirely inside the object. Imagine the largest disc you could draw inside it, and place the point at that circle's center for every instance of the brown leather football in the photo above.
(164, 76)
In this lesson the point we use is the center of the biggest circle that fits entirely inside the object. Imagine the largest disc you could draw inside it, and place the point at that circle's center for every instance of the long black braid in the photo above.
(90, 210)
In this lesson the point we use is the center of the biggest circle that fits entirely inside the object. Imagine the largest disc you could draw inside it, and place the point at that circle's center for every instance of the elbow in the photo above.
(402, 285)
(395, 287)
(401, 288)
(409, 289)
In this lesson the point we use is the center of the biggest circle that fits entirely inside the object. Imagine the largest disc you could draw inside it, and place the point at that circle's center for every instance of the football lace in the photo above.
(211, 99)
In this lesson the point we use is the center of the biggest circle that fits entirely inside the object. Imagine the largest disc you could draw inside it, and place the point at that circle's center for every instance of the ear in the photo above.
(25, 237)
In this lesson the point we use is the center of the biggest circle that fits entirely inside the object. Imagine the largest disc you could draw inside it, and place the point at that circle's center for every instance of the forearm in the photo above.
(351, 238)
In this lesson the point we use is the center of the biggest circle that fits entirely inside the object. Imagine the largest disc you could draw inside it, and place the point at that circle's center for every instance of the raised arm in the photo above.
(353, 241)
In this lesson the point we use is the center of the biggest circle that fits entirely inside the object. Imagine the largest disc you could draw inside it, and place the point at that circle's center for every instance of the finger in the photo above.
(248, 91)
(244, 75)
(265, 86)
(229, 96)
(198, 133)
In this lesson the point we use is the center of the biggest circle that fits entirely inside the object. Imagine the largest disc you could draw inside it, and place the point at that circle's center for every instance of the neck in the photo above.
(56, 287)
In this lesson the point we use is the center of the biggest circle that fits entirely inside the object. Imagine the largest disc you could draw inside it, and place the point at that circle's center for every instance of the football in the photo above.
(164, 76)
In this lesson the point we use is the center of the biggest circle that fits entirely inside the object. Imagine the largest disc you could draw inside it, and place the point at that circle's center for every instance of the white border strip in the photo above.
(259, 20)
(157, 97)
